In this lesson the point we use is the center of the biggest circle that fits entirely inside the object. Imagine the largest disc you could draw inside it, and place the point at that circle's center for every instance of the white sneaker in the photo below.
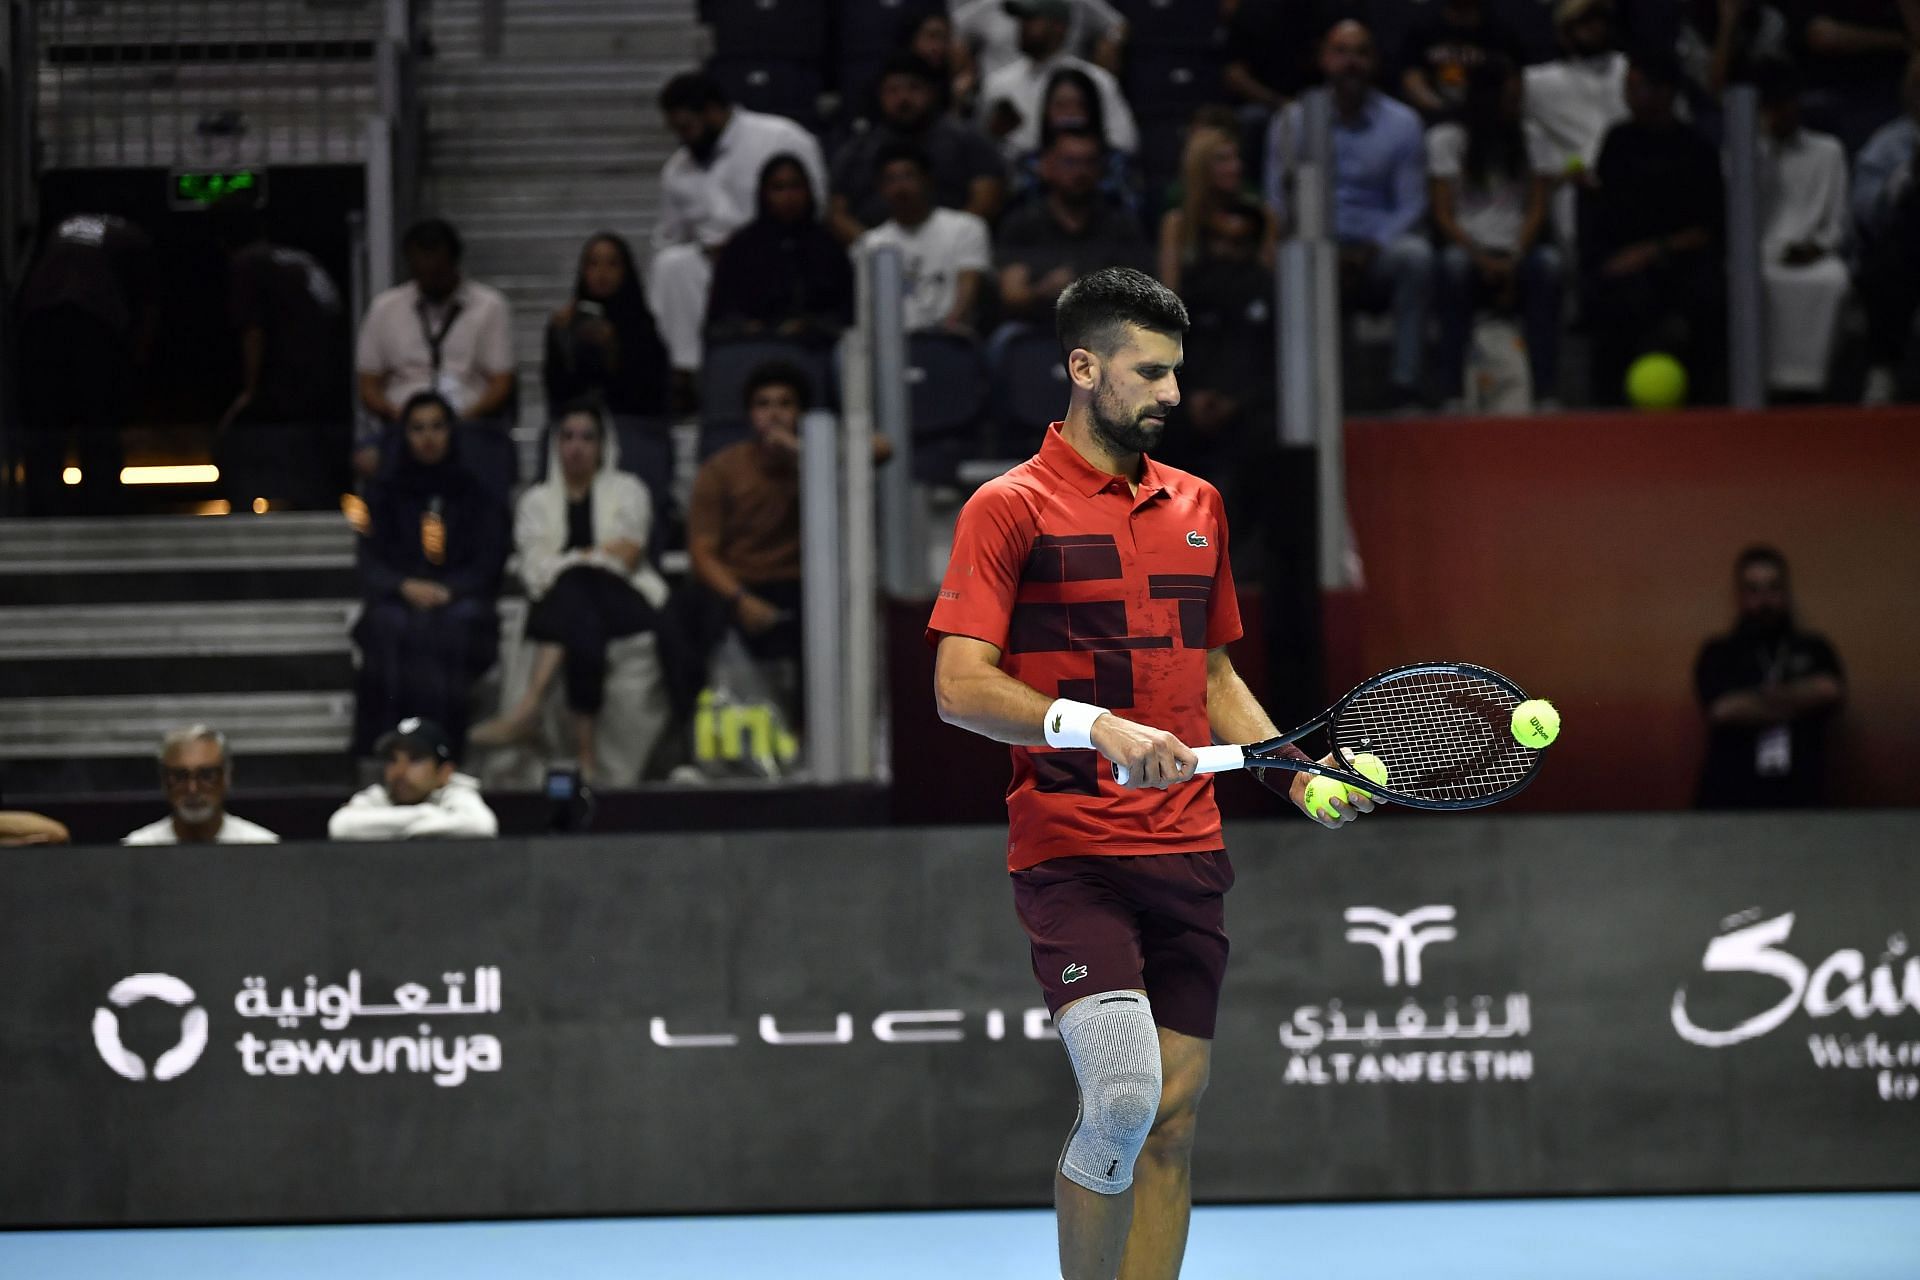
(1879, 389)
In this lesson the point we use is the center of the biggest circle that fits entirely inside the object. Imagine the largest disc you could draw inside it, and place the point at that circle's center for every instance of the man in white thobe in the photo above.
(1803, 229)
(709, 189)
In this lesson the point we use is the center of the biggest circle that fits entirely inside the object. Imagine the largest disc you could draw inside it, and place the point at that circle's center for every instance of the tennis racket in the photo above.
(1443, 729)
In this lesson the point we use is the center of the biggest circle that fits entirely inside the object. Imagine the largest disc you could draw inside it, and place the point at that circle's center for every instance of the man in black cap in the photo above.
(424, 796)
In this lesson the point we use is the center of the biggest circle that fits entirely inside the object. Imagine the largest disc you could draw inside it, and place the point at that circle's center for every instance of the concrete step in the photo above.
(291, 542)
(164, 632)
(110, 727)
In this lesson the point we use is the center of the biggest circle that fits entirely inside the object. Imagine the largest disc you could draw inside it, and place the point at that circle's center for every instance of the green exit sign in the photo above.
(204, 188)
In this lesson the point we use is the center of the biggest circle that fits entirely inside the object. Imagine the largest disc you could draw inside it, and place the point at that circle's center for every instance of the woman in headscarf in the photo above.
(604, 342)
(430, 558)
(783, 273)
(581, 536)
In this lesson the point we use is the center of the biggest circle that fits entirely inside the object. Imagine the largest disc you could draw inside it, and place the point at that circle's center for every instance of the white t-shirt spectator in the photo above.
(1022, 83)
(1573, 102)
(995, 34)
(704, 204)
(1492, 215)
(454, 811)
(232, 831)
(934, 254)
(473, 331)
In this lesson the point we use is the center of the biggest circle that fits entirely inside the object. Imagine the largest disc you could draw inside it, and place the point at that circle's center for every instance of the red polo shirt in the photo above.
(1094, 593)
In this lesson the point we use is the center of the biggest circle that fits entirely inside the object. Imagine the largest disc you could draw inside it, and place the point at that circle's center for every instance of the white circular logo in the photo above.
(160, 986)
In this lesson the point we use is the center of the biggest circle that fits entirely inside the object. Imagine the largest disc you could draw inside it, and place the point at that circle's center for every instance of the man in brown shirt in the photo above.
(743, 527)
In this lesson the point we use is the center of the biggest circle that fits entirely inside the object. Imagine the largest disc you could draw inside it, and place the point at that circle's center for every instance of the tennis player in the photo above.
(1084, 620)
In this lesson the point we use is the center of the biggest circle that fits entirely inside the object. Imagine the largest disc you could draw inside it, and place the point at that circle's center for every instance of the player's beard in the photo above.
(1124, 432)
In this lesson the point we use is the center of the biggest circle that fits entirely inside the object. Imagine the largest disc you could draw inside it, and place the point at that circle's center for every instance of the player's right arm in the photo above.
(974, 693)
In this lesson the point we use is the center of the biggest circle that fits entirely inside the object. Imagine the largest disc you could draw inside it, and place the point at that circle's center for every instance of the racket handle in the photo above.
(1207, 760)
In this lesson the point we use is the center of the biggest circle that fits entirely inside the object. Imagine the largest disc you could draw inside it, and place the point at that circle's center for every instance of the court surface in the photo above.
(1803, 1237)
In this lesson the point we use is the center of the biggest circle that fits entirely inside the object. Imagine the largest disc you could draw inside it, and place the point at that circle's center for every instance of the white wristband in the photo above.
(1070, 724)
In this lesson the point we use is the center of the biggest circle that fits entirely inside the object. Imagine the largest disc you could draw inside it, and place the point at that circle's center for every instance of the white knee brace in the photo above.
(1115, 1051)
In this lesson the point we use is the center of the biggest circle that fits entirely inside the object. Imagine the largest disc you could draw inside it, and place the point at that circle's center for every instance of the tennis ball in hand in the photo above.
(1536, 723)
(1321, 793)
(1370, 766)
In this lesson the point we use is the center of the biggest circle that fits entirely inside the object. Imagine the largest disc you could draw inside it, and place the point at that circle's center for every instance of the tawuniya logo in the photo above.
(1401, 940)
(159, 986)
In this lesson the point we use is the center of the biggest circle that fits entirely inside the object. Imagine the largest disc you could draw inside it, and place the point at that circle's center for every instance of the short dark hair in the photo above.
(779, 373)
(1760, 553)
(433, 235)
(592, 405)
(1656, 64)
(902, 149)
(903, 63)
(1094, 310)
(693, 91)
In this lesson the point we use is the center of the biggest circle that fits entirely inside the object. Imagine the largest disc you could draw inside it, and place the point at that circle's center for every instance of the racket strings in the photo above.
(1442, 735)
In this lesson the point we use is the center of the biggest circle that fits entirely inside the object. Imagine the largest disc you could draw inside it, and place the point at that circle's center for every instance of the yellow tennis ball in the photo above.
(1321, 792)
(1656, 381)
(1536, 723)
(1368, 765)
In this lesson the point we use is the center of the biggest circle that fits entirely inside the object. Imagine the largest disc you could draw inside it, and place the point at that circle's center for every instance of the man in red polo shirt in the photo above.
(1087, 582)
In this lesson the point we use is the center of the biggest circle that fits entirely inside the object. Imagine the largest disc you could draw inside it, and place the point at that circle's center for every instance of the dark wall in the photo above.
(1538, 1050)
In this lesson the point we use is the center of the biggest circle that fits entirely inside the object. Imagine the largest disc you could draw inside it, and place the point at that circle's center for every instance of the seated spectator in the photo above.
(1213, 183)
(1573, 101)
(1721, 42)
(604, 343)
(783, 273)
(968, 170)
(1803, 230)
(1379, 197)
(86, 318)
(581, 537)
(1769, 692)
(1011, 98)
(1072, 103)
(927, 34)
(945, 251)
(989, 35)
(195, 772)
(1651, 239)
(1886, 213)
(1046, 244)
(423, 794)
(1853, 52)
(709, 189)
(743, 528)
(1227, 384)
(1489, 181)
(1442, 53)
(443, 333)
(19, 828)
(288, 313)
(430, 560)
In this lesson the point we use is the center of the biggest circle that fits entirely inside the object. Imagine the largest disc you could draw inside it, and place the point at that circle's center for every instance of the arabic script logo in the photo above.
(160, 986)
(1400, 939)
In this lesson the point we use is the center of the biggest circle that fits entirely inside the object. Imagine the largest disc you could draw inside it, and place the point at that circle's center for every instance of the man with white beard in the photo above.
(196, 771)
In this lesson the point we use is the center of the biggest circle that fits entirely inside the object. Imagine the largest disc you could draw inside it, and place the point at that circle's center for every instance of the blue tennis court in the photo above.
(1800, 1237)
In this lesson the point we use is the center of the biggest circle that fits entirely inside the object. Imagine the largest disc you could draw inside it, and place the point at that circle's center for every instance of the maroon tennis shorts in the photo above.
(1154, 922)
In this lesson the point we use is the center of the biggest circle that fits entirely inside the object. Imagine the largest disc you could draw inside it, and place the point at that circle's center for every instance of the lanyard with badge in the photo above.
(1773, 748)
(445, 383)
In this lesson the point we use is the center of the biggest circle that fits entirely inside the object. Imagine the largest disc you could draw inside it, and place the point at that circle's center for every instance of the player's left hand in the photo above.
(1344, 811)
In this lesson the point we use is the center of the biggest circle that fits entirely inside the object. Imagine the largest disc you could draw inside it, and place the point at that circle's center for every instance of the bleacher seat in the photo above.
(1159, 25)
(1032, 391)
(874, 28)
(723, 381)
(795, 29)
(1168, 84)
(948, 389)
(787, 87)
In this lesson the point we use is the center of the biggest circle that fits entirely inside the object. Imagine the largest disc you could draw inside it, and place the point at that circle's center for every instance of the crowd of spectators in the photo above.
(1004, 149)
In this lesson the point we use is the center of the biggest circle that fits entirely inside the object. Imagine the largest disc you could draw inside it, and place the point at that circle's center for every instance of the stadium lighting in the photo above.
(195, 473)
